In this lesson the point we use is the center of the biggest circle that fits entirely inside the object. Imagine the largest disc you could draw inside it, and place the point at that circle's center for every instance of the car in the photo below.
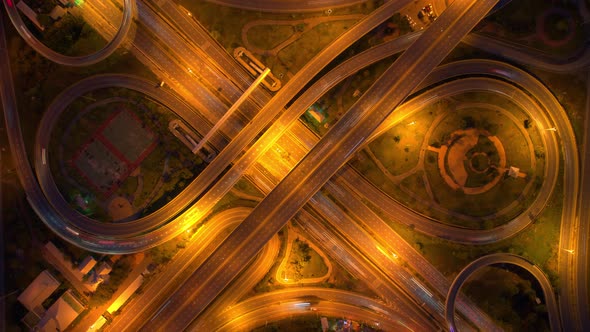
(410, 20)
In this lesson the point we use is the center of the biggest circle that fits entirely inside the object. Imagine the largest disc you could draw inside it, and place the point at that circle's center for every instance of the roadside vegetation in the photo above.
(391, 162)
(313, 323)
(538, 242)
(339, 278)
(228, 32)
(552, 27)
(304, 262)
(570, 90)
(162, 174)
(35, 79)
(106, 289)
(510, 295)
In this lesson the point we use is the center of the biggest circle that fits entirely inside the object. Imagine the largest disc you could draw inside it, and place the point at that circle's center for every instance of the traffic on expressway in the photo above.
(421, 165)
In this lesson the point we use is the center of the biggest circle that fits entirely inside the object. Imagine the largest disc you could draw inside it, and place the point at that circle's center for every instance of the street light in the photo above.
(571, 251)
(551, 129)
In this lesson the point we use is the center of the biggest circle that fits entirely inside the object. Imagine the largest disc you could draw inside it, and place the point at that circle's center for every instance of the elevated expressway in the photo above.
(408, 313)
(39, 47)
(529, 56)
(146, 224)
(276, 305)
(584, 223)
(284, 201)
(208, 237)
(561, 131)
(296, 6)
(136, 235)
(484, 261)
(347, 181)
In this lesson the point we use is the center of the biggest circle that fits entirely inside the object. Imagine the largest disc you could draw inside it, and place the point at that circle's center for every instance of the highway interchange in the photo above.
(558, 119)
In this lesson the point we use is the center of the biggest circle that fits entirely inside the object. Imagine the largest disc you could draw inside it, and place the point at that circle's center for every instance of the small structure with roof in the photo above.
(57, 12)
(514, 172)
(103, 269)
(316, 113)
(87, 265)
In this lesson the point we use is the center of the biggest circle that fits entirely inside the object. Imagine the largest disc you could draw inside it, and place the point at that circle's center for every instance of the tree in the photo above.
(539, 152)
(467, 122)
(45, 20)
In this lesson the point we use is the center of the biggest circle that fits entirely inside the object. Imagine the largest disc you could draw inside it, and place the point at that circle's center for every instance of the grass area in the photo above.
(340, 98)
(315, 267)
(570, 90)
(267, 37)
(509, 296)
(158, 186)
(225, 24)
(397, 150)
(247, 187)
(522, 18)
(538, 242)
(339, 278)
(304, 323)
(163, 253)
(72, 36)
(300, 52)
(304, 262)
(35, 77)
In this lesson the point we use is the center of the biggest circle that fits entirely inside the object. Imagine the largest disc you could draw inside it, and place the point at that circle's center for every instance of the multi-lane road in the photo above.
(329, 154)
(135, 236)
(488, 260)
(564, 131)
(84, 60)
(281, 304)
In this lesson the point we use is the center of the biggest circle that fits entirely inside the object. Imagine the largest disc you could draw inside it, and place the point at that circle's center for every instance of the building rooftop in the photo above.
(39, 290)
(126, 294)
(61, 314)
(87, 264)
